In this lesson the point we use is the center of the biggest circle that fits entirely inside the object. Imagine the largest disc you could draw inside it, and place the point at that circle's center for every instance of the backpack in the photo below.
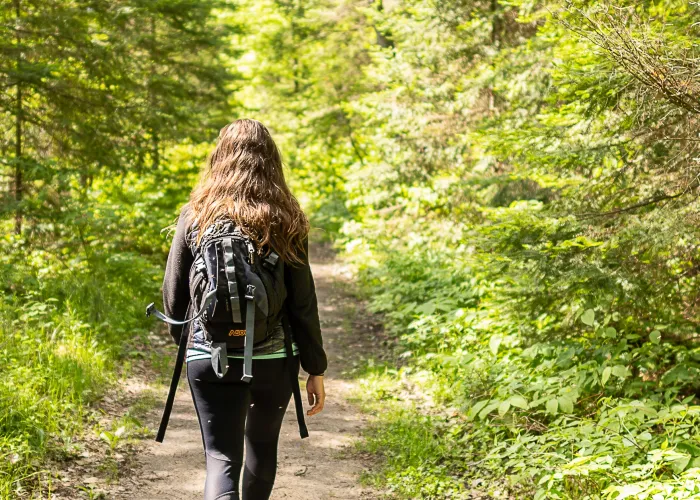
(238, 295)
(250, 292)
(238, 298)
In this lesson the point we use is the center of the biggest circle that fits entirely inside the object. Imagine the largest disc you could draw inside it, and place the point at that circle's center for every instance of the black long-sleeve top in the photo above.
(302, 304)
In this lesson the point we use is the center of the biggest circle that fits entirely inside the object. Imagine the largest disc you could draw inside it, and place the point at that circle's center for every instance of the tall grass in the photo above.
(66, 325)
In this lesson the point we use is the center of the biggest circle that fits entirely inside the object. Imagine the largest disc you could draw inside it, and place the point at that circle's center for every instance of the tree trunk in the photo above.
(383, 40)
(18, 130)
(155, 141)
(495, 40)
(298, 14)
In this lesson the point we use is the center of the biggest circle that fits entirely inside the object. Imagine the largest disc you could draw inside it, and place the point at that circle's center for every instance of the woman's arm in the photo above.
(302, 307)
(176, 289)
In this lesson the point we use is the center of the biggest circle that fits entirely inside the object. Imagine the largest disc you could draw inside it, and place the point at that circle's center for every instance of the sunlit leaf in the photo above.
(588, 317)
(494, 343)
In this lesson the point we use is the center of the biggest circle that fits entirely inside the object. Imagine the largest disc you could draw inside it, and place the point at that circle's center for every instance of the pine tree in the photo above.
(97, 86)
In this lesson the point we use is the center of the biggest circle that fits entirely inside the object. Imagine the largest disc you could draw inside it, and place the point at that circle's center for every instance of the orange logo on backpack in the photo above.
(236, 333)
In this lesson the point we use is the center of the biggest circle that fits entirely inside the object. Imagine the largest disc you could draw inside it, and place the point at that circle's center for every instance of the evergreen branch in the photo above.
(650, 201)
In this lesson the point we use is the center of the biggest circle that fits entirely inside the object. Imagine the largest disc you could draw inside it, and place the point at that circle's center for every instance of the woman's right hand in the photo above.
(316, 393)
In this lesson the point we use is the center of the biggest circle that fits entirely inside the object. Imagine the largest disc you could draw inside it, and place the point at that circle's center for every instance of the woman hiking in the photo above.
(243, 191)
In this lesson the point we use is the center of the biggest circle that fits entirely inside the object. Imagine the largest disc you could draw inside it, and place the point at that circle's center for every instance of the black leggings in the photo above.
(227, 410)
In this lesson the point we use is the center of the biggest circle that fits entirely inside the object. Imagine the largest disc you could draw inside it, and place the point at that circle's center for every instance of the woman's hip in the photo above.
(265, 372)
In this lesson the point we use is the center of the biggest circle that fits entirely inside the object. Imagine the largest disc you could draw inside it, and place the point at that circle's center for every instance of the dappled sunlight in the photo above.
(502, 199)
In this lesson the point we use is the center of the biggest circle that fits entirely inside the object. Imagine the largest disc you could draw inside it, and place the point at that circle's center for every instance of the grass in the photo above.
(65, 334)
(417, 451)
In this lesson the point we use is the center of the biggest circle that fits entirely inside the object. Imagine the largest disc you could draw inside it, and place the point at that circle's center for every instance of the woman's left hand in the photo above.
(316, 393)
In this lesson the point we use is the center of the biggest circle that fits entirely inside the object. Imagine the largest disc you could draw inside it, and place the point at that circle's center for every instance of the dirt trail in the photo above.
(309, 469)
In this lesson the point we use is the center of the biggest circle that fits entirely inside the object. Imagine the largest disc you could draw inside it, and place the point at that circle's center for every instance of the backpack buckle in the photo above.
(250, 292)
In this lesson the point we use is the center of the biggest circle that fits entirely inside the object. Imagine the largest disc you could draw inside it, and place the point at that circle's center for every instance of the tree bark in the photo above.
(383, 40)
(495, 41)
(19, 188)
(155, 140)
(295, 43)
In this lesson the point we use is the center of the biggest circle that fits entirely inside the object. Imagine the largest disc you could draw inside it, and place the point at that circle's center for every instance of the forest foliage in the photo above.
(515, 181)
(103, 108)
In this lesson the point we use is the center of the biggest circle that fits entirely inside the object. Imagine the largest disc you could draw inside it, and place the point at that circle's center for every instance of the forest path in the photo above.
(309, 469)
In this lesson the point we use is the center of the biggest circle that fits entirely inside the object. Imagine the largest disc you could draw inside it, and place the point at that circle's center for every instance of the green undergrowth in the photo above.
(66, 336)
(72, 326)
(417, 453)
(487, 404)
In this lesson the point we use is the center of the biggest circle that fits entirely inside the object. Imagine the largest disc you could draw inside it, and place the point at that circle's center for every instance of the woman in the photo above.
(244, 182)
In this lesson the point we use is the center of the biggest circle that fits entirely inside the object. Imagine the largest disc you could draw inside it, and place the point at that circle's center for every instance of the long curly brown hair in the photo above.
(243, 181)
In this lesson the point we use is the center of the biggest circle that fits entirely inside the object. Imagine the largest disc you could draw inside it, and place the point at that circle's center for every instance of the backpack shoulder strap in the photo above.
(179, 361)
(230, 269)
(298, 406)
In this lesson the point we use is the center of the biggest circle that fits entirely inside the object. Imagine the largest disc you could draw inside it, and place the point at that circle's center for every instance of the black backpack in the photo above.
(237, 297)
(249, 296)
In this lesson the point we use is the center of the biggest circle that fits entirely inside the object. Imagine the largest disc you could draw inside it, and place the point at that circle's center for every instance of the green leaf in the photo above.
(485, 412)
(519, 402)
(606, 375)
(588, 317)
(476, 409)
(655, 337)
(610, 332)
(566, 404)
(680, 464)
(428, 308)
(552, 406)
(503, 408)
(645, 436)
(689, 447)
(620, 371)
(495, 343)
(629, 490)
